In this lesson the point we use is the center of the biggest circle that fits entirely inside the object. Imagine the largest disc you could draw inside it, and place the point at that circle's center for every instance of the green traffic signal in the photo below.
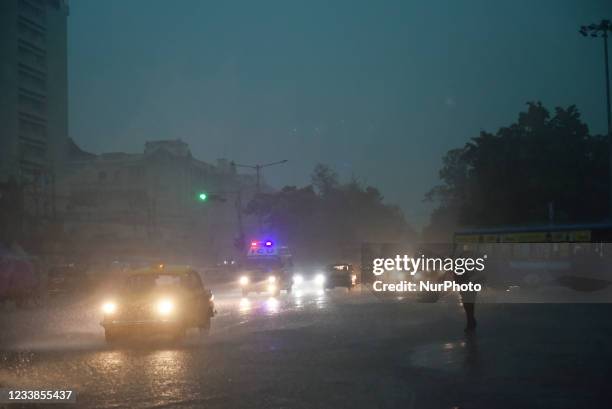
(202, 196)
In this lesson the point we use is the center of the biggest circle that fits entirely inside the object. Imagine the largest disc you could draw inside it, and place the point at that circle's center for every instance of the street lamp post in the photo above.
(601, 30)
(258, 167)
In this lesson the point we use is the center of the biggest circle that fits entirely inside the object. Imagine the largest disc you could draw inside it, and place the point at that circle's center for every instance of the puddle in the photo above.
(452, 356)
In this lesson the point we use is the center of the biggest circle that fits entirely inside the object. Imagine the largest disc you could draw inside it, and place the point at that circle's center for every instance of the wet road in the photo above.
(322, 350)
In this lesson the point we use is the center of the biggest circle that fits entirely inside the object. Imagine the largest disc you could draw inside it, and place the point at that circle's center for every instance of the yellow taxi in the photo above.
(164, 300)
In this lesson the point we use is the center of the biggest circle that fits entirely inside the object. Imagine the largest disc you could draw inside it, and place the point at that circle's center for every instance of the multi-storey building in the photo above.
(118, 204)
(34, 91)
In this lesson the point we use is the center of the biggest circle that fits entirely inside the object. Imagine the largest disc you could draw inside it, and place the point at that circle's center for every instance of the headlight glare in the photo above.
(244, 280)
(298, 279)
(319, 279)
(271, 279)
(109, 307)
(165, 307)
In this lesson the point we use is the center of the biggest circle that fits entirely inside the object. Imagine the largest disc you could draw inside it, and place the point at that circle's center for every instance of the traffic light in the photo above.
(208, 197)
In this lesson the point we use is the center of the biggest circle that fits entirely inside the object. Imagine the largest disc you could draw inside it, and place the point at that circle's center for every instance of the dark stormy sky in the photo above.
(377, 89)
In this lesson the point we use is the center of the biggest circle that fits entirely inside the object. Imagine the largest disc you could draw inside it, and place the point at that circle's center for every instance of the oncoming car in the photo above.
(334, 275)
(162, 300)
(340, 275)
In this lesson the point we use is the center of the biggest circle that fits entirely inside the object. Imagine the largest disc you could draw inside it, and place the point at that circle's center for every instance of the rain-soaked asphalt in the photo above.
(322, 350)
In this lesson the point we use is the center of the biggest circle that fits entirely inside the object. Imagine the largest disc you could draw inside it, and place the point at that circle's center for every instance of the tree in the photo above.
(320, 220)
(324, 179)
(516, 174)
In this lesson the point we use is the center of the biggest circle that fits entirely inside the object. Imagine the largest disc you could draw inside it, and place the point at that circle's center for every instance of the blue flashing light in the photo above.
(269, 243)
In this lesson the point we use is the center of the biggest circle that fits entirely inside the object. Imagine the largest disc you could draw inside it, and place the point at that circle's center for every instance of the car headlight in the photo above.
(244, 280)
(271, 279)
(319, 279)
(109, 307)
(298, 279)
(165, 307)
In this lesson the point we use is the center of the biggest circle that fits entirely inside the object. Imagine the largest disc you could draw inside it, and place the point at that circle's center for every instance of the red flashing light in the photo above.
(254, 244)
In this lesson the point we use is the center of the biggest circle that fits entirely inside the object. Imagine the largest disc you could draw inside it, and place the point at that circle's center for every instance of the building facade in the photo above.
(34, 97)
(127, 204)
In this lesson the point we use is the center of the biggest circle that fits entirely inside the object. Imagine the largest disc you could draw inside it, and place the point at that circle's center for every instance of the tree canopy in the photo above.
(320, 221)
(521, 172)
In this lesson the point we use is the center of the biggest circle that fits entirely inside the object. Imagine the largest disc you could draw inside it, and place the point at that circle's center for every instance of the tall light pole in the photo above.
(258, 167)
(601, 30)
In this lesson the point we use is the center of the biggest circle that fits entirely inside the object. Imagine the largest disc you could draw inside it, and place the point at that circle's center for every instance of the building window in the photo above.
(32, 104)
(32, 58)
(32, 81)
(32, 151)
(30, 128)
(30, 34)
(34, 13)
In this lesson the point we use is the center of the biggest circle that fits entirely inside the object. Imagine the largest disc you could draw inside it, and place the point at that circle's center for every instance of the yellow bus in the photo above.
(578, 255)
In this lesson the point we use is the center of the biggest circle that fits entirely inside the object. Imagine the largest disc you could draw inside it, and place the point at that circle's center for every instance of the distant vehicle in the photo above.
(577, 256)
(340, 275)
(334, 275)
(161, 300)
(266, 268)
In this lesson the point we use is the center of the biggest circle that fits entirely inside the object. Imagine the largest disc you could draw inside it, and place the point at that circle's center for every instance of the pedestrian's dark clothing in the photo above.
(468, 299)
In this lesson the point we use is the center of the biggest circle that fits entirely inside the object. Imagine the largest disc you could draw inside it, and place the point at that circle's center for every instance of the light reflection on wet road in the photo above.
(144, 373)
(316, 349)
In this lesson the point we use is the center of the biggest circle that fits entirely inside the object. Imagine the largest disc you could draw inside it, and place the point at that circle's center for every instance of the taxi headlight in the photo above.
(271, 279)
(165, 307)
(298, 279)
(244, 280)
(109, 307)
(319, 279)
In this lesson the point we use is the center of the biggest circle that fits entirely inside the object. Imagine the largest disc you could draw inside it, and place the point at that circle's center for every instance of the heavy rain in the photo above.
(322, 204)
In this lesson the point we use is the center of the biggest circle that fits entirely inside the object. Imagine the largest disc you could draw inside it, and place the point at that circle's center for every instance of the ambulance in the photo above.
(267, 268)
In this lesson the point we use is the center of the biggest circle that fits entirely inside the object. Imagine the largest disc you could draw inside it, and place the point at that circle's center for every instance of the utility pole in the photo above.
(258, 167)
(601, 30)
(238, 207)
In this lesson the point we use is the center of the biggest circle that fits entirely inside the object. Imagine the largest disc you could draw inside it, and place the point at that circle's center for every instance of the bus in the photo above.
(578, 256)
